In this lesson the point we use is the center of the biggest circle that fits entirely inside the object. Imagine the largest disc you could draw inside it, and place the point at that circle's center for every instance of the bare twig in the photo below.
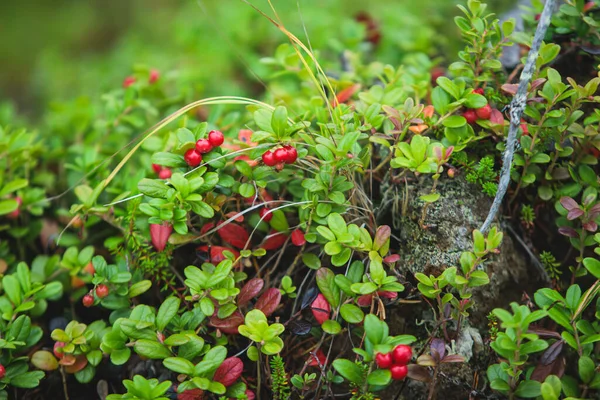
(517, 106)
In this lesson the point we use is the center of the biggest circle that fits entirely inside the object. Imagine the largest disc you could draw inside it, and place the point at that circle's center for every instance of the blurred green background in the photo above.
(54, 50)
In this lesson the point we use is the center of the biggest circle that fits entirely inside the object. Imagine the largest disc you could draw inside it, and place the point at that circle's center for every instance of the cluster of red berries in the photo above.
(163, 172)
(283, 155)
(101, 291)
(472, 115)
(152, 78)
(396, 361)
(193, 157)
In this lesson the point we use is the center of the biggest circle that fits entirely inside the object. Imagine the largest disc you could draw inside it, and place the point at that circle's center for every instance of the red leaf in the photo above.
(239, 217)
(216, 252)
(317, 359)
(269, 301)
(193, 394)
(229, 371)
(228, 325)
(274, 241)
(382, 235)
(207, 227)
(497, 117)
(321, 309)
(345, 95)
(387, 295)
(250, 290)
(364, 300)
(298, 238)
(568, 203)
(250, 394)
(160, 235)
(392, 258)
(80, 363)
(418, 373)
(234, 235)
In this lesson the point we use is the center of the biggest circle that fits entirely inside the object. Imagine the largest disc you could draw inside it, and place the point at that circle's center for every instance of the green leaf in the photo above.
(8, 206)
(474, 100)
(179, 365)
(13, 186)
(328, 287)
(311, 261)
(247, 189)
(375, 329)
(593, 266)
(351, 313)
(168, 160)
(153, 188)
(336, 223)
(279, 121)
(332, 327)
(448, 86)
(586, 369)
(529, 389)
(430, 198)
(151, 349)
(138, 288)
(168, 309)
(379, 377)
(349, 370)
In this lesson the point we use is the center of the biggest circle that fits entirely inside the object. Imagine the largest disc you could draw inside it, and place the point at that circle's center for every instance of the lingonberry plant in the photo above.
(321, 242)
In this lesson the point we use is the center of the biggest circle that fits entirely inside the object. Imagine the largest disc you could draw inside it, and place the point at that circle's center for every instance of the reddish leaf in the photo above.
(552, 353)
(496, 117)
(274, 241)
(193, 394)
(228, 325)
(268, 302)
(387, 295)
(250, 394)
(568, 231)
(381, 236)
(238, 217)
(541, 371)
(207, 227)
(250, 290)
(418, 373)
(344, 95)
(80, 363)
(234, 235)
(574, 214)
(454, 358)
(317, 359)
(392, 258)
(229, 371)
(510, 88)
(160, 235)
(364, 300)
(216, 253)
(321, 309)
(568, 203)
(590, 226)
(298, 238)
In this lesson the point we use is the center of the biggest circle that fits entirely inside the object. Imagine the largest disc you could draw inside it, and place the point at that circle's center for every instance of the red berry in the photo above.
(157, 168)
(89, 268)
(399, 372)
(281, 155)
(265, 214)
(292, 154)
(130, 80)
(203, 146)
(402, 354)
(470, 116)
(216, 138)
(88, 300)
(15, 214)
(192, 158)
(2, 371)
(478, 91)
(102, 291)
(484, 112)
(164, 173)
(58, 345)
(154, 75)
(451, 173)
(537, 17)
(383, 361)
(269, 158)
(298, 238)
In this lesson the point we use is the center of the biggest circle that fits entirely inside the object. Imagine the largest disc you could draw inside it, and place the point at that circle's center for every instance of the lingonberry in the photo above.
(402, 354)
(265, 214)
(2, 371)
(157, 168)
(451, 172)
(216, 138)
(281, 155)
(130, 80)
(478, 91)
(203, 146)
(164, 173)
(484, 112)
(192, 158)
(292, 154)
(58, 345)
(384, 360)
(102, 291)
(269, 158)
(399, 372)
(298, 238)
(470, 116)
(15, 214)
(88, 300)
(89, 268)
(154, 75)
